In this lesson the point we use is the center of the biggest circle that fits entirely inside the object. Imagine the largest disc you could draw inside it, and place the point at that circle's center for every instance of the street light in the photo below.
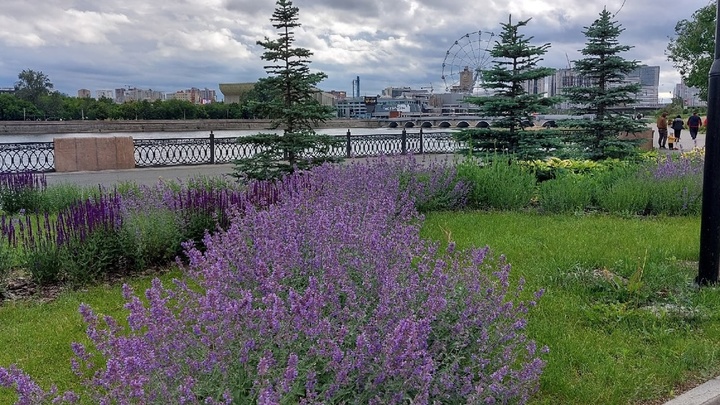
(709, 263)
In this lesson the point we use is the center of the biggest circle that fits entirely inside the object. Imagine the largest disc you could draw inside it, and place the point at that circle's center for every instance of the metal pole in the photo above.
(403, 140)
(348, 145)
(212, 148)
(422, 149)
(708, 266)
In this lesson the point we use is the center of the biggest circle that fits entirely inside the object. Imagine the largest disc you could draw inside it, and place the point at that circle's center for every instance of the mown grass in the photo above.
(36, 336)
(621, 315)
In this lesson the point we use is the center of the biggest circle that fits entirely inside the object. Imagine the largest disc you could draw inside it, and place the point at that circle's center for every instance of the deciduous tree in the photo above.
(32, 85)
(693, 49)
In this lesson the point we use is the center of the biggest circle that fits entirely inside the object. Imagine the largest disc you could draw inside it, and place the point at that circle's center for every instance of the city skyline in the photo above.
(115, 44)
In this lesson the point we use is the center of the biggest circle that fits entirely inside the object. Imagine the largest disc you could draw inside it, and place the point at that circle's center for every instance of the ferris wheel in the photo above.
(464, 62)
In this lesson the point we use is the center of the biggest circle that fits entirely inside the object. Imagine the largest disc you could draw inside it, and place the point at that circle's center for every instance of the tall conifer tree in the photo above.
(291, 87)
(607, 72)
(512, 106)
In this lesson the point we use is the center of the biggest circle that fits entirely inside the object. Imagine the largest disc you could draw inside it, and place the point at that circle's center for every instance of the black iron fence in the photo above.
(40, 156)
(27, 157)
(212, 150)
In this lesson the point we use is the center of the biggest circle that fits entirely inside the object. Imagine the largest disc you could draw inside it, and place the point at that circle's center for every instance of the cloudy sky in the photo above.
(173, 45)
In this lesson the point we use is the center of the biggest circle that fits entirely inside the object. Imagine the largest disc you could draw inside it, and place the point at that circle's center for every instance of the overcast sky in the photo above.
(173, 45)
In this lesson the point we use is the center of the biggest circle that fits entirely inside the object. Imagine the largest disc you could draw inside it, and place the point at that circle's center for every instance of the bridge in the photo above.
(437, 122)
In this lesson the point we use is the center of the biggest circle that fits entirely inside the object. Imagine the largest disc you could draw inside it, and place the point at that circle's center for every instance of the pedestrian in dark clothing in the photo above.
(694, 123)
(677, 125)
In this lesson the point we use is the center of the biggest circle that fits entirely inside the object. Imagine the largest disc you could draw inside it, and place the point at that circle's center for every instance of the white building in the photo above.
(105, 93)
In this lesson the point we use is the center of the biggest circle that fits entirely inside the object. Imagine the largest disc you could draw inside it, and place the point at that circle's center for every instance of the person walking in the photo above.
(662, 126)
(677, 125)
(694, 123)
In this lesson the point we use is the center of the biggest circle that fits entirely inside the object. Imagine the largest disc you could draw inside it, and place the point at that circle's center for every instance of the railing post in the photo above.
(422, 149)
(212, 148)
(403, 142)
(348, 146)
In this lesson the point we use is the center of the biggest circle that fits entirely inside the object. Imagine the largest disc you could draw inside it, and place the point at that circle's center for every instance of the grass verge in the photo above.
(621, 315)
(37, 335)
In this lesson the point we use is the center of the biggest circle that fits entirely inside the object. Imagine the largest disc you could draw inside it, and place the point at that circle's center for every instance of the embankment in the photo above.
(65, 127)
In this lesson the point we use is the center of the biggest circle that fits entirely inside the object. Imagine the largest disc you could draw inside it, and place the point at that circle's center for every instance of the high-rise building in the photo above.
(690, 95)
(536, 86)
(648, 77)
(84, 93)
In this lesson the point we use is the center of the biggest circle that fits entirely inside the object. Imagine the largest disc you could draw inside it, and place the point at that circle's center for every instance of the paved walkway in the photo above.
(686, 143)
(150, 176)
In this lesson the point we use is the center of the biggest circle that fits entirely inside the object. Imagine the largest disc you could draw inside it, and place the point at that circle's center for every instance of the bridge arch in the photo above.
(482, 124)
(409, 124)
(393, 125)
(444, 124)
(462, 124)
(426, 124)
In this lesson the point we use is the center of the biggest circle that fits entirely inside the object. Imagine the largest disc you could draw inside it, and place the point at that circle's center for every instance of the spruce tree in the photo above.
(509, 104)
(607, 71)
(292, 107)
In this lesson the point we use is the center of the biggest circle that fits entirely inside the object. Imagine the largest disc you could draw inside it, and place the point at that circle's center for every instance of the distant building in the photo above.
(135, 94)
(84, 93)
(690, 95)
(352, 107)
(467, 81)
(109, 94)
(647, 76)
(7, 90)
(194, 95)
(235, 92)
(339, 95)
(536, 86)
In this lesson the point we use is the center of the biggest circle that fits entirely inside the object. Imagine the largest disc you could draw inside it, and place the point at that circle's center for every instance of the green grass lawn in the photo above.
(621, 316)
(37, 336)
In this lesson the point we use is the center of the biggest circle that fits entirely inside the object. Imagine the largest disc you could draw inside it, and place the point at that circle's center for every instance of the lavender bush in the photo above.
(81, 243)
(327, 296)
(666, 186)
(675, 185)
(21, 191)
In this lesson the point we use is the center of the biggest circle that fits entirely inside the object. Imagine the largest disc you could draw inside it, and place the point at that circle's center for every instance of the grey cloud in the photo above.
(176, 45)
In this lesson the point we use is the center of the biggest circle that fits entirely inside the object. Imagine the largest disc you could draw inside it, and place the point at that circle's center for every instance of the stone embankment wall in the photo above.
(64, 127)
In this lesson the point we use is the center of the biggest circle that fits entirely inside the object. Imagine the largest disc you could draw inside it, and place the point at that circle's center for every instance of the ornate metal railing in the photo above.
(182, 151)
(27, 157)
(40, 156)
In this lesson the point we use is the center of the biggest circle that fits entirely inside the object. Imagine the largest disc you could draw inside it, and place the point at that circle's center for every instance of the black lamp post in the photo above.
(709, 264)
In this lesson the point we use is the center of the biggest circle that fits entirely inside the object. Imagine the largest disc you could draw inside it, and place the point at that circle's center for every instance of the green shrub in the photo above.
(157, 236)
(629, 196)
(679, 196)
(498, 183)
(57, 197)
(104, 253)
(566, 193)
